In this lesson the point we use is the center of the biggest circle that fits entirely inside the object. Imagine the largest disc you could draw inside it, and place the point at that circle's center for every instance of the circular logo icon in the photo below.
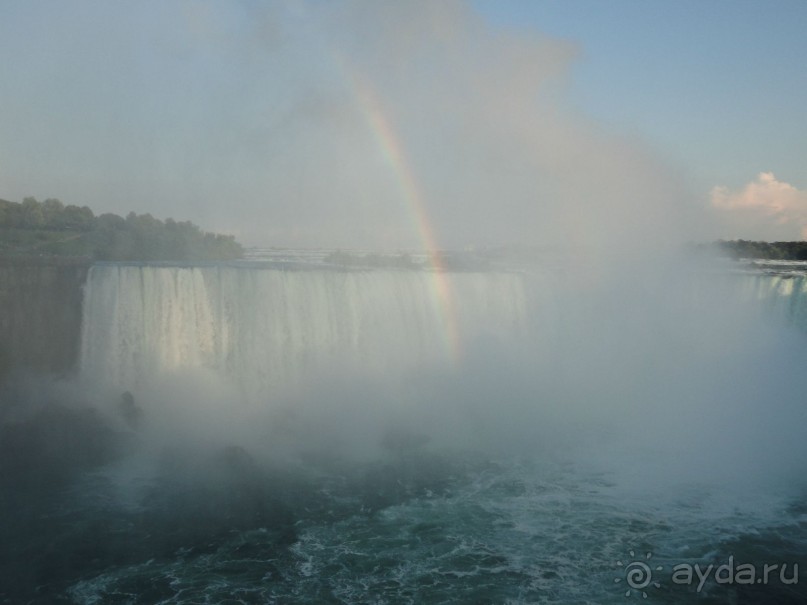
(638, 575)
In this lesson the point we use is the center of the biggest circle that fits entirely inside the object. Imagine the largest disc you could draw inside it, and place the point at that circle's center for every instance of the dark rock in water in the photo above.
(54, 445)
(130, 411)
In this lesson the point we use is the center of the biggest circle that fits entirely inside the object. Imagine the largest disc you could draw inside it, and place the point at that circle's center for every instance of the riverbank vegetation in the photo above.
(51, 228)
(741, 248)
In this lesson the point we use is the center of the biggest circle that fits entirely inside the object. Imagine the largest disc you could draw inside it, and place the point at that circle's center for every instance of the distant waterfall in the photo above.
(262, 328)
(783, 296)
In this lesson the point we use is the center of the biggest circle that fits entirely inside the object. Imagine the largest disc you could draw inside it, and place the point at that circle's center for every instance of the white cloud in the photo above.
(764, 209)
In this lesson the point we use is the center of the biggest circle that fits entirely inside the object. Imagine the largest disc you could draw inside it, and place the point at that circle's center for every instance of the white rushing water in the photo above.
(264, 328)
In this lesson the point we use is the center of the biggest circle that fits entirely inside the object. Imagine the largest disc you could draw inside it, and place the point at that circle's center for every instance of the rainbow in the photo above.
(390, 145)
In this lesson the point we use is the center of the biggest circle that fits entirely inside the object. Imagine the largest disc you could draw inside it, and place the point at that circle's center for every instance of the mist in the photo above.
(663, 377)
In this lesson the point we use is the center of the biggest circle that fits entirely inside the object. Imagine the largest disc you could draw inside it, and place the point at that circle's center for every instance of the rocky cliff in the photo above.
(40, 314)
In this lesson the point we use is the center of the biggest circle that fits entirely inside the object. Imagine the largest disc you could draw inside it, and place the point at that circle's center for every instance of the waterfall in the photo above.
(783, 296)
(265, 328)
(262, 328)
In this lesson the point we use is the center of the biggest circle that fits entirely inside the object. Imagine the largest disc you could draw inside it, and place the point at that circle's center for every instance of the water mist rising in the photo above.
(297, 432)
(681, 365)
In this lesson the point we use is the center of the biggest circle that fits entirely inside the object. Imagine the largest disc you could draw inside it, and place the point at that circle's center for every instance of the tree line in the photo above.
(741, 248)
(53, 228)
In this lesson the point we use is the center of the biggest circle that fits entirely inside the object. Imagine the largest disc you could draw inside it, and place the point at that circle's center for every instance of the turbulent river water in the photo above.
(335, 435)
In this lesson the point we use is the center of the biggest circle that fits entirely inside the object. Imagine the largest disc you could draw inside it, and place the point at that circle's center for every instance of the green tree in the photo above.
(32, 215)
(53, 211)
(80, 219)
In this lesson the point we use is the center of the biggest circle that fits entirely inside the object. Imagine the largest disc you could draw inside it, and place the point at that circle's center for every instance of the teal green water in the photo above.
(432, 530)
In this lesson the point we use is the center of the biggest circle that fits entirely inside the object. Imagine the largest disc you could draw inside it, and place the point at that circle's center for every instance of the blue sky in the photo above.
(516, 121)
(718, 85)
